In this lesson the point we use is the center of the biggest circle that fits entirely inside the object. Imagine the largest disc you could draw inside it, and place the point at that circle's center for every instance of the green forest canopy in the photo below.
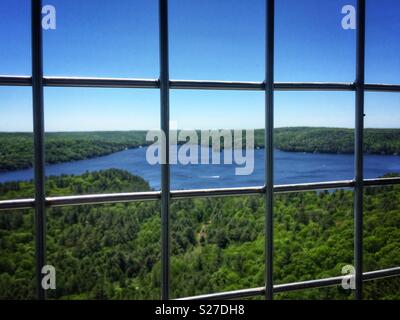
(113, 251)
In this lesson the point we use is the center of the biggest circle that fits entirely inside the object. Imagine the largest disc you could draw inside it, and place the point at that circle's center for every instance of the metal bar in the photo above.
(269, 147)
(382, 87)
(304, 187)
(223, 192)
(165, 169)
(86, 82)
(381, 182)
(102, 198)
(381, 274)
(359, 154)
(185, 194)
(129, 197)
(216, 85)
(38, 134)
(15, 81)
(17, 204)
(311, 284)
(101, 82)
(245, 293)
(314, 86)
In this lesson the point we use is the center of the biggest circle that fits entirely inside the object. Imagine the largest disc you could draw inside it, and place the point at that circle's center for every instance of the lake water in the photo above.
(290, 167)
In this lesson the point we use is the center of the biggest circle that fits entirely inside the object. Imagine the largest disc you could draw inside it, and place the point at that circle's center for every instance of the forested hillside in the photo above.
(333, 140)
(113, 251)
(16, 149)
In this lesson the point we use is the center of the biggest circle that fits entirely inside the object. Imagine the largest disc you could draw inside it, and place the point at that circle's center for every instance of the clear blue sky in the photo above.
(209, 39)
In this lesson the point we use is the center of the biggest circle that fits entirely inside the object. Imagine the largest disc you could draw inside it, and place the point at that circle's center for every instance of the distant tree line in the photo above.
(16, 149)
(333, 140)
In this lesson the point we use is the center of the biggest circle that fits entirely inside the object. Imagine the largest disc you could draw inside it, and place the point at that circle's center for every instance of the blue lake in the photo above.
(290, 167)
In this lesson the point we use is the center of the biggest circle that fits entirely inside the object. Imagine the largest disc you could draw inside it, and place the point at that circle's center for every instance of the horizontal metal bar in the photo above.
(313, 86)
(246, 293)
(303, 187)
(15, 80)
(101, 82)
(327, 282)
(382, 87)
(82, 200)
(381, 182)
(196, 193)
(225, 192)
(381, 274)
(102, 198)
(216, 85)
(183, 194)
(128, 197)
(86, 82)
(326, 86)
(311, 284)
(16, 204)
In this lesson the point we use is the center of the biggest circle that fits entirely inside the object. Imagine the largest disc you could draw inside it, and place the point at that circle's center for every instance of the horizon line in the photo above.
(185, 129)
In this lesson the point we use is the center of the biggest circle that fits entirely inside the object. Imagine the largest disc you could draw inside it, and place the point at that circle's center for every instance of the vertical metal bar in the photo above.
(359, 132)
(165, 169)
(269, 147)
(38, 133)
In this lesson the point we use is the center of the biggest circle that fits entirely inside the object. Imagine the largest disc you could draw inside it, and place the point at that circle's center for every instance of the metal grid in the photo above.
(164, 84)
